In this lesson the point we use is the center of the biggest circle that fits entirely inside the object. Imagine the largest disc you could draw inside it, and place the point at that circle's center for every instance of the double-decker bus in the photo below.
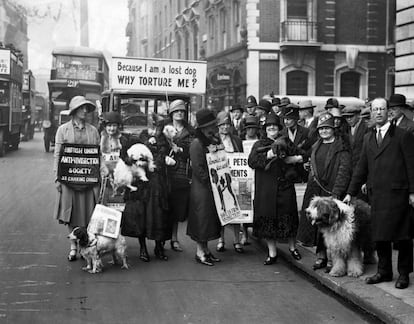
(75, 71)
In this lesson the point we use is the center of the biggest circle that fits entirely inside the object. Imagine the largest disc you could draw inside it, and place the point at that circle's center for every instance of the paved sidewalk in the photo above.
(389, 304)
(383, 300)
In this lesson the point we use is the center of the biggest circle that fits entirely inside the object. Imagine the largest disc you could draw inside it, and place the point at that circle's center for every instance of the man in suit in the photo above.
(356, 131)
(237, 113)
(386, 165)
(397, 113)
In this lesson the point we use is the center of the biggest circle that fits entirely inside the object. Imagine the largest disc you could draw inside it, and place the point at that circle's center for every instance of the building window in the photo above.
(350, 82)
(186, 46)
(296, 9)
(236, 21)
(223, 34)
(211, 32)
(195, 42)
(297, 83)
(178, 42)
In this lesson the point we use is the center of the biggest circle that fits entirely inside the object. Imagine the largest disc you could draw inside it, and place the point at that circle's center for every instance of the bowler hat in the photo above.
(223, 117)
(264, 105)
(177, 105)
(275, 101)
(284, 102)
(398, 100)
(351, 111)
(112, 117)
(205, 118)
(251, 122)
(291, 111)
(237, 107)
(326, 119)
(79, 101)
(306, 104)
(273, 119)
(251, 102)
(333, 103)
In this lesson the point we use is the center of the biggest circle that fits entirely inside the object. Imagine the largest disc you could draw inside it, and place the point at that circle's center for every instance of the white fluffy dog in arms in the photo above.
(139, 159)
(170, 132)
(346, 230)
(92, 247)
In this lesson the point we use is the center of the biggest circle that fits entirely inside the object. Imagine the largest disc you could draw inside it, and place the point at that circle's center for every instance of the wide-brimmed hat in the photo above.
(326, 119)
(79, 101)
(306, 104)
(398, 100)
(236, 107)
(284, 102)
(273, 119)
(112, 117)
(251, 122)
(291, 111)
(177, 105)
(264, 105)
(223, 117)
(251, 102)
(205, 118)
(351, 111)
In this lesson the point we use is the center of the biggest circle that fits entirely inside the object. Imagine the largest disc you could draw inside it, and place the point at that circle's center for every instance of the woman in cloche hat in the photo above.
(180, 174)
(203, 221)
(330, 174)
(74, 207)
(275, 207)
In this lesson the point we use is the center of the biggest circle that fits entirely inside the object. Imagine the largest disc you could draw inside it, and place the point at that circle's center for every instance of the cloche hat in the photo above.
(177, 105)
(112, 117)
(205, 118)
(273, 119)
(326, 119)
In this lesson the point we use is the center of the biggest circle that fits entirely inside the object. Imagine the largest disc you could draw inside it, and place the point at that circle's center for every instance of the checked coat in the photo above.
(388, 171)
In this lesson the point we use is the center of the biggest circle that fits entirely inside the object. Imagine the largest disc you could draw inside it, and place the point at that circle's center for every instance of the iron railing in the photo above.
(299, 30)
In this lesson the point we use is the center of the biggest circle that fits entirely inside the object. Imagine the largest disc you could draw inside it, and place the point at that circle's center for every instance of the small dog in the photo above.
(346, 230)
(92, 247)
(139, 159)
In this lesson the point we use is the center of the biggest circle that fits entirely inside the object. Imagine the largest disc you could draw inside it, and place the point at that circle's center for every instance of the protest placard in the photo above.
(157, 75)
(79, 165)
(225, 199)
(243, 178)
(109, 196)
(105, 221)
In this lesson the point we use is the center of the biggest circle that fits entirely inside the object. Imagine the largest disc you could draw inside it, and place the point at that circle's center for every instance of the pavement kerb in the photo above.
(369, 298)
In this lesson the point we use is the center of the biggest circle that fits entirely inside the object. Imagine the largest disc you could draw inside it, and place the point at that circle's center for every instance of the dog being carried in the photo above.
(346, 230)
(92, 247)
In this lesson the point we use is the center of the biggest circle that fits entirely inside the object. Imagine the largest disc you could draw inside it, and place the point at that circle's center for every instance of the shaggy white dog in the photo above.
(346, 232)
(140, 158)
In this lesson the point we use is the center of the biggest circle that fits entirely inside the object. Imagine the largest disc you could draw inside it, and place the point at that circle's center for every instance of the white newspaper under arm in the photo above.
(226, 202)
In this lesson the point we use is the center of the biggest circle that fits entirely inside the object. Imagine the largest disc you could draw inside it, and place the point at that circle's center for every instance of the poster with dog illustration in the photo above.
(227, 205)
(243, 179)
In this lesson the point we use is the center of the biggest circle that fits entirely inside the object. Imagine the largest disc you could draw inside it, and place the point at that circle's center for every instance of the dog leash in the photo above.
(322, 187)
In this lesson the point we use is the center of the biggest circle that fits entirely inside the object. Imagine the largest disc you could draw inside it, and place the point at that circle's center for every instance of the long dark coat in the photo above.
(203, 221)
(180, 177)
(335, 181)
(301, 141)
(150, 205)
(274, 208)
(407, 124)
(356, 141)
(388, 171)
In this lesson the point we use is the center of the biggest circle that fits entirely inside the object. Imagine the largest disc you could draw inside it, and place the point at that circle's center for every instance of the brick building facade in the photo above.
(404, 48)
(289, 47)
